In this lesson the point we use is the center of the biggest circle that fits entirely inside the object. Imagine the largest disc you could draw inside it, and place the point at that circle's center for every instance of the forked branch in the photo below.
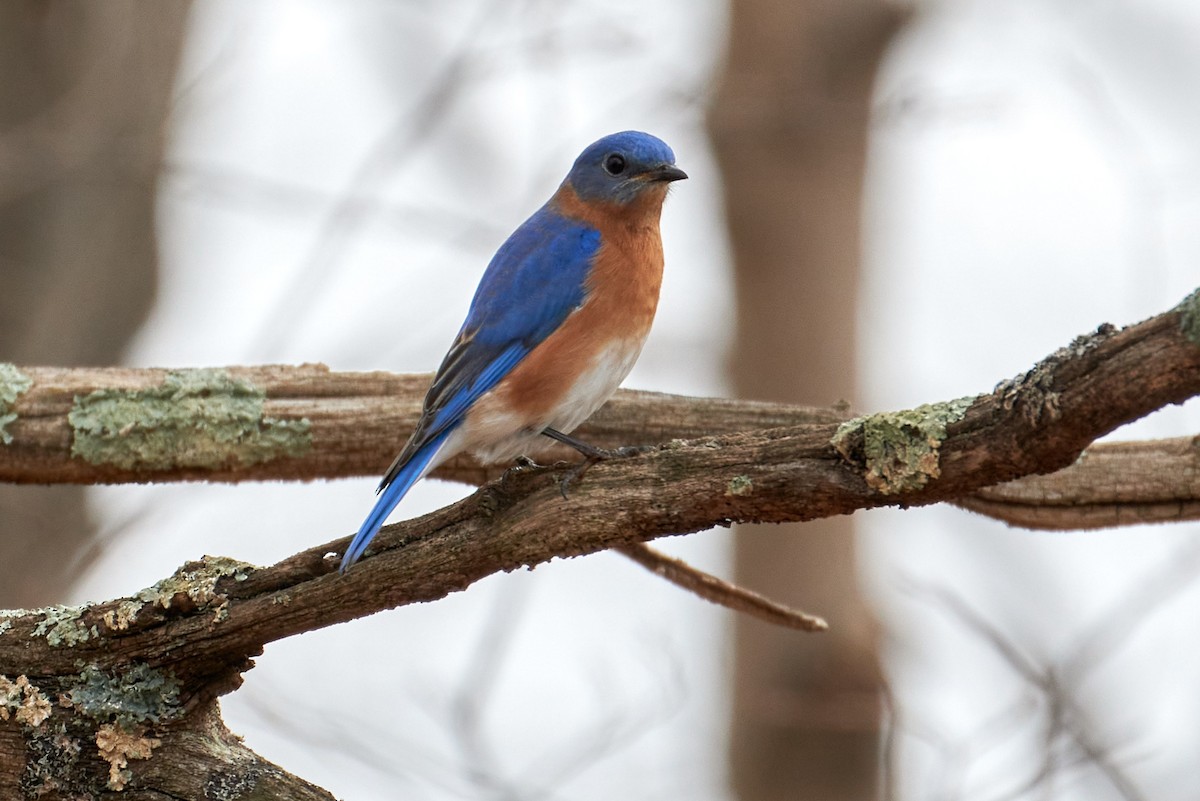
(194, 633)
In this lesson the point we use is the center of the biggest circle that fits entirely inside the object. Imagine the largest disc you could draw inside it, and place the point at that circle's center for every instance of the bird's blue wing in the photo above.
(533, 282)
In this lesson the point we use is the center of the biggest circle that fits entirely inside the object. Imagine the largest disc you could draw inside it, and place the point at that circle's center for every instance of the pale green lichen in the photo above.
(740, 486)
(119, 617)
(60, 626)
(13, 384)
(1189, 317)
(900, 449)
(138, 696)
(196, 581)
(124, 705)
(194, 419)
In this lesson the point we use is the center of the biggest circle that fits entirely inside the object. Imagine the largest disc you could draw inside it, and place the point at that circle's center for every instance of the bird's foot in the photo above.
(593, 456)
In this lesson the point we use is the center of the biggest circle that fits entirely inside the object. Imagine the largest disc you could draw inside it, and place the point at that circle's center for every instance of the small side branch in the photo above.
(719, 591)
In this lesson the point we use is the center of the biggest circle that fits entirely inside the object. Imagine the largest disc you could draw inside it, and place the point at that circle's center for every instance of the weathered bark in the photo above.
(140, 673)
(83, 104)
(195, 757)
(280, 422)
(789, 124)
(351, 424)
(1112, 484)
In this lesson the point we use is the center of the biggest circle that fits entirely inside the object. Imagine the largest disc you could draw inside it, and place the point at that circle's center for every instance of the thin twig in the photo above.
(719, 591)
(1066, 715)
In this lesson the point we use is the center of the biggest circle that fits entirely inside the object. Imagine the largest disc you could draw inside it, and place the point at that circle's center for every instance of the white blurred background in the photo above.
(335, 180)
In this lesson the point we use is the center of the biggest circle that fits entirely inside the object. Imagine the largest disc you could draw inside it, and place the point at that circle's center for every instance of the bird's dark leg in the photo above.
(590, 451)
(591, 455)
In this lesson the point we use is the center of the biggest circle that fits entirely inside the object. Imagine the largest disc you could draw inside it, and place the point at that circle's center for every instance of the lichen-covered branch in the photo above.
(106, 425)
(119, 424)
(115, 681)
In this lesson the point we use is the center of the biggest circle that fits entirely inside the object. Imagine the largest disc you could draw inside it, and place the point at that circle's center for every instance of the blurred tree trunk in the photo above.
(83, 104)
(789, 124)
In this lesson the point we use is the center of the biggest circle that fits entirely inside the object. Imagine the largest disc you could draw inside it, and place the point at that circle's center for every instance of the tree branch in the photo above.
(1111, 484)
(1035, 423)
(186, 640)
(112, 425)
(130, 425)
(719, 591)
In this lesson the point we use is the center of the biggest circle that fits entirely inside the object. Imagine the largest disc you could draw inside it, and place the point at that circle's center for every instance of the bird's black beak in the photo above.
(664, 173)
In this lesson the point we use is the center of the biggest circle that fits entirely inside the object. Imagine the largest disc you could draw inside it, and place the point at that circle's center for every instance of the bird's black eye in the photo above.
(614, 164)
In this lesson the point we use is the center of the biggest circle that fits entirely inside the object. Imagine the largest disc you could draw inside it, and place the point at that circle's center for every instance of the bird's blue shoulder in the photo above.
(535, 279)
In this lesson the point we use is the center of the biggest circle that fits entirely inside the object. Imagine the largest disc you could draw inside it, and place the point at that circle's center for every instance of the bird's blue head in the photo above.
(619, 167)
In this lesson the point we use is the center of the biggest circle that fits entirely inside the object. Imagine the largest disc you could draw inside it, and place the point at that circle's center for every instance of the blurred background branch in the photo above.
(83, 109)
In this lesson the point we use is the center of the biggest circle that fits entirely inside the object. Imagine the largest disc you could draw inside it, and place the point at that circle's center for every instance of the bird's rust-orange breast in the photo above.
(622, 291)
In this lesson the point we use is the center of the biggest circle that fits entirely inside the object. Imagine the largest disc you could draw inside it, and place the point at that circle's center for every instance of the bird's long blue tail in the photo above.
(390, 496)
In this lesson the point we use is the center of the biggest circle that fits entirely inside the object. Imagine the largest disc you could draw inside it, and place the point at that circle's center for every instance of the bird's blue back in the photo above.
(534, 281)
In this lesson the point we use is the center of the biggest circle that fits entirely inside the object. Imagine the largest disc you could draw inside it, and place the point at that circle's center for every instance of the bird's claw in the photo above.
(576, 472)
(597, 455)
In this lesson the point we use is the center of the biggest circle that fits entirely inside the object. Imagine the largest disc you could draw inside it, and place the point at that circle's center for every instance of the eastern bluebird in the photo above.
(556, 324)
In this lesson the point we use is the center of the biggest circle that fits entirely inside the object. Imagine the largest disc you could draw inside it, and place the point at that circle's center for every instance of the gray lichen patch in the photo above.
(900, 449)
(60, 625)
(233, 783)
(138, 696)
(1189, 317)
(194, 419)
(13, 384)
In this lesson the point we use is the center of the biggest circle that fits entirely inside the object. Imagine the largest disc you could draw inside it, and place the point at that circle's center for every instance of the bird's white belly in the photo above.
(498, 435)
(595, 385)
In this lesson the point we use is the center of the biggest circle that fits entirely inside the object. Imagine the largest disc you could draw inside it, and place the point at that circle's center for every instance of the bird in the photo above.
(558, 320)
